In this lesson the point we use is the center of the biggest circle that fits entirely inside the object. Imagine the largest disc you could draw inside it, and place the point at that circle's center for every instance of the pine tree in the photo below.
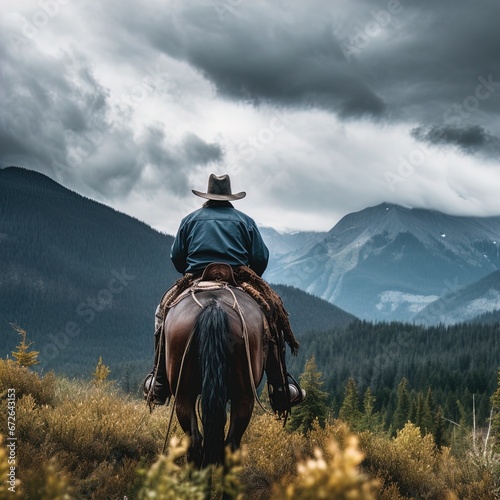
(314, 406)
(462, 434)
(431, 403)
(349, 411)
(439, 429)
(370, 420)
(426, 420)
(403, 407)
(420, 414)
(23, 355)
(495, 423)
(101, 373)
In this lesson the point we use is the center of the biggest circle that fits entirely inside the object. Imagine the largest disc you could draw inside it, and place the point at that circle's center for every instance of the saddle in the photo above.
(218, 271)
(216, 275)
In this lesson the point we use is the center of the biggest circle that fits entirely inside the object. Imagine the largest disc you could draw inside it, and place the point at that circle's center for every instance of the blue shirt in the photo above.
(218, 234)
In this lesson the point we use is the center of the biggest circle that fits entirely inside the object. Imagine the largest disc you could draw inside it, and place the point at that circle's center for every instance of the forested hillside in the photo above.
(309, 313)
(490, 317)
(455, 362)
(84, 280)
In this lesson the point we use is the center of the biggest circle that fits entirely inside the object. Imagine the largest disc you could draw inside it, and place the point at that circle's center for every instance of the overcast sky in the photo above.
(315, 109)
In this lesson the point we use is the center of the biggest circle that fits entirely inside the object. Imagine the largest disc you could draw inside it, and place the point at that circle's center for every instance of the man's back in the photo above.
(218, 233)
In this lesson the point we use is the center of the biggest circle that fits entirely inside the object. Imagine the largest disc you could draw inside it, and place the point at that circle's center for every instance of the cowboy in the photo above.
(218, 232)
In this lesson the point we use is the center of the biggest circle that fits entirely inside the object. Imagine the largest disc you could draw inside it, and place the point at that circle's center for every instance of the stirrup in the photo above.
(149, 393)
(297, 395)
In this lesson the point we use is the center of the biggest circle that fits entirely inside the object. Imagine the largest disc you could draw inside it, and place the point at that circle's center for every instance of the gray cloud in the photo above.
(470, 140)
(265, 55)
(135, 105)
(149, 163)
(50, 106)
(434, 57)
(198, 152)
(57, 119)
(172, 163)
(425, 52)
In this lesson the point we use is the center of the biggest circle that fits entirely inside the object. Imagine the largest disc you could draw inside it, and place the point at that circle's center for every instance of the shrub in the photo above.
(76, 439)
(169, 481)
(25, 381)
(8, 489)
(272, 454)
(412, 464)
(96, 437)
(339, 477)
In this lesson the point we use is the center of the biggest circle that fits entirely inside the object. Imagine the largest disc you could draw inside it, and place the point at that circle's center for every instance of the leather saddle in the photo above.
(218, 271)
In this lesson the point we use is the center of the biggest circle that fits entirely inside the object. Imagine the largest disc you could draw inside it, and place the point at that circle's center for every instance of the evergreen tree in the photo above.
(430, 401)
(461, 435)
(420, 414)
(495, 424)
(101, 373)
(370, 420)
(314, 406)
(403, 407)
(23, 355)
(349, 411)
(439, 429)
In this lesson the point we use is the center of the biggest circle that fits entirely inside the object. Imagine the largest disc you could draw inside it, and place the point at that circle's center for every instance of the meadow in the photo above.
(79, 439)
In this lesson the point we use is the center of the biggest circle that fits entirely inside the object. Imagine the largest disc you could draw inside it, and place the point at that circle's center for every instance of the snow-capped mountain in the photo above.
(478, 298)
(390, 262)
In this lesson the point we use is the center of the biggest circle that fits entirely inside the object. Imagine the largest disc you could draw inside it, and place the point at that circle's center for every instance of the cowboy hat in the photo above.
(219, 188)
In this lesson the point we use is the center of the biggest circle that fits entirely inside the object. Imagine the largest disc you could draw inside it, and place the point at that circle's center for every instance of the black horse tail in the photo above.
(211, 333)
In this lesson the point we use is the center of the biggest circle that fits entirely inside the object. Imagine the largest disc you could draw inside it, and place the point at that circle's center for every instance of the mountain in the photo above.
(80, 277)
(480, 297)
(310, 314)
(282, 244)
(389, 262)
(84, 280)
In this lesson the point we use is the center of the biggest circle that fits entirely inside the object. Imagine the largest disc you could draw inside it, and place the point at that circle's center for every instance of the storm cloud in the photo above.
(470, 140)
(310, 107)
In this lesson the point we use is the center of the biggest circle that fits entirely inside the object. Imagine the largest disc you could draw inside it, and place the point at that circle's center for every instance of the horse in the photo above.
(215, 347)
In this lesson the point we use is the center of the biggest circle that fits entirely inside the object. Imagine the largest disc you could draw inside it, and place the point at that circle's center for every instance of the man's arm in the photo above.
(259, 254)
(178, 252)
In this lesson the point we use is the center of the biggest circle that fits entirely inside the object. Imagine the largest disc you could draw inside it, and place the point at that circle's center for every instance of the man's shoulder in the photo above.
(218, 213)
(243, 216)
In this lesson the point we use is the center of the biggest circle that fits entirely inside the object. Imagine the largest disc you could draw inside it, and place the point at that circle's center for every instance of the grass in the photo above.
(79, 439)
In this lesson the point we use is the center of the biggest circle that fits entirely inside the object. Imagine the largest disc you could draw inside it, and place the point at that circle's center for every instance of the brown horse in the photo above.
(207, 354)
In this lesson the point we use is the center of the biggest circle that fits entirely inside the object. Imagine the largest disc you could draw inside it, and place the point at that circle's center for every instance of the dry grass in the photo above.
(96, 437)
(79, 440)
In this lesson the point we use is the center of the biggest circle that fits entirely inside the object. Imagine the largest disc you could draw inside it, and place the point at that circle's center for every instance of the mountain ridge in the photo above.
(387, 262)
(464, 304)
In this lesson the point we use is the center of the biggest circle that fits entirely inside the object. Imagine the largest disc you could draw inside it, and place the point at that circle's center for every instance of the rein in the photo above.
(169, 427)
(236, 307)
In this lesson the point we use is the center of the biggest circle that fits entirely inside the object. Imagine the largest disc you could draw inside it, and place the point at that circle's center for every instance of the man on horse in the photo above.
(218, 233)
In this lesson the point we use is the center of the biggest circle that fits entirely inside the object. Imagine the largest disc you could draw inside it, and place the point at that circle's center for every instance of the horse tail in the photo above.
(211, 333)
